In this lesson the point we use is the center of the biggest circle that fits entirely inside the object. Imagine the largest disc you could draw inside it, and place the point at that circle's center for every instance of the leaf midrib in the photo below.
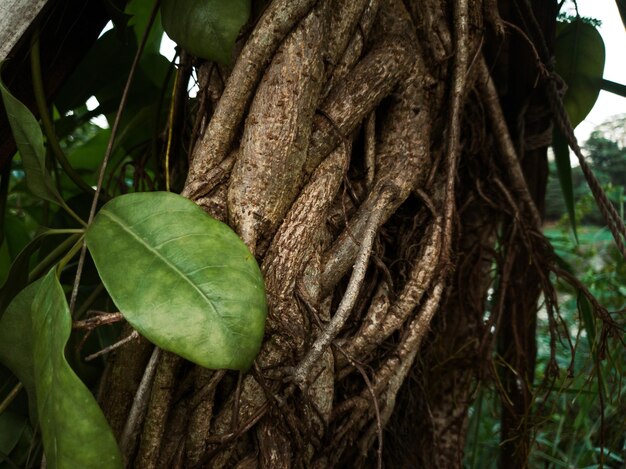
(141, 241)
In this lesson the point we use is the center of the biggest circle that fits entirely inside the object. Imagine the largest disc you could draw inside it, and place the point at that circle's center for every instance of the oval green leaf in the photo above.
(183, 279)
(16, 341)
(579, 52)
(33, 335)
(12, 426)
(29, 140)
(205, 28)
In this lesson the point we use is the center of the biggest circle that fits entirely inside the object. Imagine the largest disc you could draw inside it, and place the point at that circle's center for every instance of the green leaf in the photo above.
(33, 334)
(564, 171)
(29, 141)
(16, 233)
(18, 273)
(183, 279)
(102, 73)
(588, 320)
(579, 52)
(140, 10)
(115, 9)
(16, 342)
(205, 28)
(12, 426)
(75, 432)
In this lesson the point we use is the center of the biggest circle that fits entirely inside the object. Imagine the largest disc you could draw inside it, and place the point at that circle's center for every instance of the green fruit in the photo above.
(205, 28)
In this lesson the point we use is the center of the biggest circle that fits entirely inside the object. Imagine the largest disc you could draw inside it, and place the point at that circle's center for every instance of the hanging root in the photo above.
(361, 152)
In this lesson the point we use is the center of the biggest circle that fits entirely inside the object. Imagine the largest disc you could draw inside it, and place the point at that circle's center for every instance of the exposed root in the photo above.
(377, 183)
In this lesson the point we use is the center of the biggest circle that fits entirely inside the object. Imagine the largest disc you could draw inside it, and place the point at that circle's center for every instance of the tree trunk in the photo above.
(361, 150)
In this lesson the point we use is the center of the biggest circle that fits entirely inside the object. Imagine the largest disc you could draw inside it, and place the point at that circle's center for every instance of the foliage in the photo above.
(579, 421)
(607, 155)
(579, 50)
(209, 28)
(168, 244)
(209, 308)
(584, 410)
(34, 332)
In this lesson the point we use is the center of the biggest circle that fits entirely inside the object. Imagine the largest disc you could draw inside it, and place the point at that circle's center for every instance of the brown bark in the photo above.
(362, 152)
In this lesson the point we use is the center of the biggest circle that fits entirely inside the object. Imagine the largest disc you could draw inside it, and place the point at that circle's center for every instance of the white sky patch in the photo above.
(106, 28)
(101, 121)
(92, 103)
(168, 50)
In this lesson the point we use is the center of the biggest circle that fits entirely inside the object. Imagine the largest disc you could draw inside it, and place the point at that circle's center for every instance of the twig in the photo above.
(459, 86)
(370, 388)
(89, 301)
(170, 130)
(347, 303)
(99, 320)
(109, 150)
(370, 149)
(139, 406)
(505, 144)
(12, 395)
(133, 335)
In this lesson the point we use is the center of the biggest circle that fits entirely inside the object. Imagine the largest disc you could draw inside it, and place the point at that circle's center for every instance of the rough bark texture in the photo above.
(370, 155)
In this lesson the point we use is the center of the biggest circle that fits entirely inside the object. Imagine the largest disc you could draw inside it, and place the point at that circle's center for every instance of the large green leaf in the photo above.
(29, 141)
(579, 52)
(12, 427)
(183, 279)
(564, 170)
(75, 432)
(16, 341)
(33, 334)
(206, 28)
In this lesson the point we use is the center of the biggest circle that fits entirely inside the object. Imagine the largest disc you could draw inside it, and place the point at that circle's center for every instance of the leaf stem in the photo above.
(615, 88)
(72, 213)
(109, 150)
(80, 312)
(46, 121)
(5, 177)
(71, 253)
(51, 258)
(170, 131)
(60, 231)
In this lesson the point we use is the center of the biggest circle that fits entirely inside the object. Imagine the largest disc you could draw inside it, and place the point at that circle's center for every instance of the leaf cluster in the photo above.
(182, 279)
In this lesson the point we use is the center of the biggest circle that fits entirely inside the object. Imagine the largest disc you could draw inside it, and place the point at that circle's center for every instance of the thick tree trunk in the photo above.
(361, 151)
